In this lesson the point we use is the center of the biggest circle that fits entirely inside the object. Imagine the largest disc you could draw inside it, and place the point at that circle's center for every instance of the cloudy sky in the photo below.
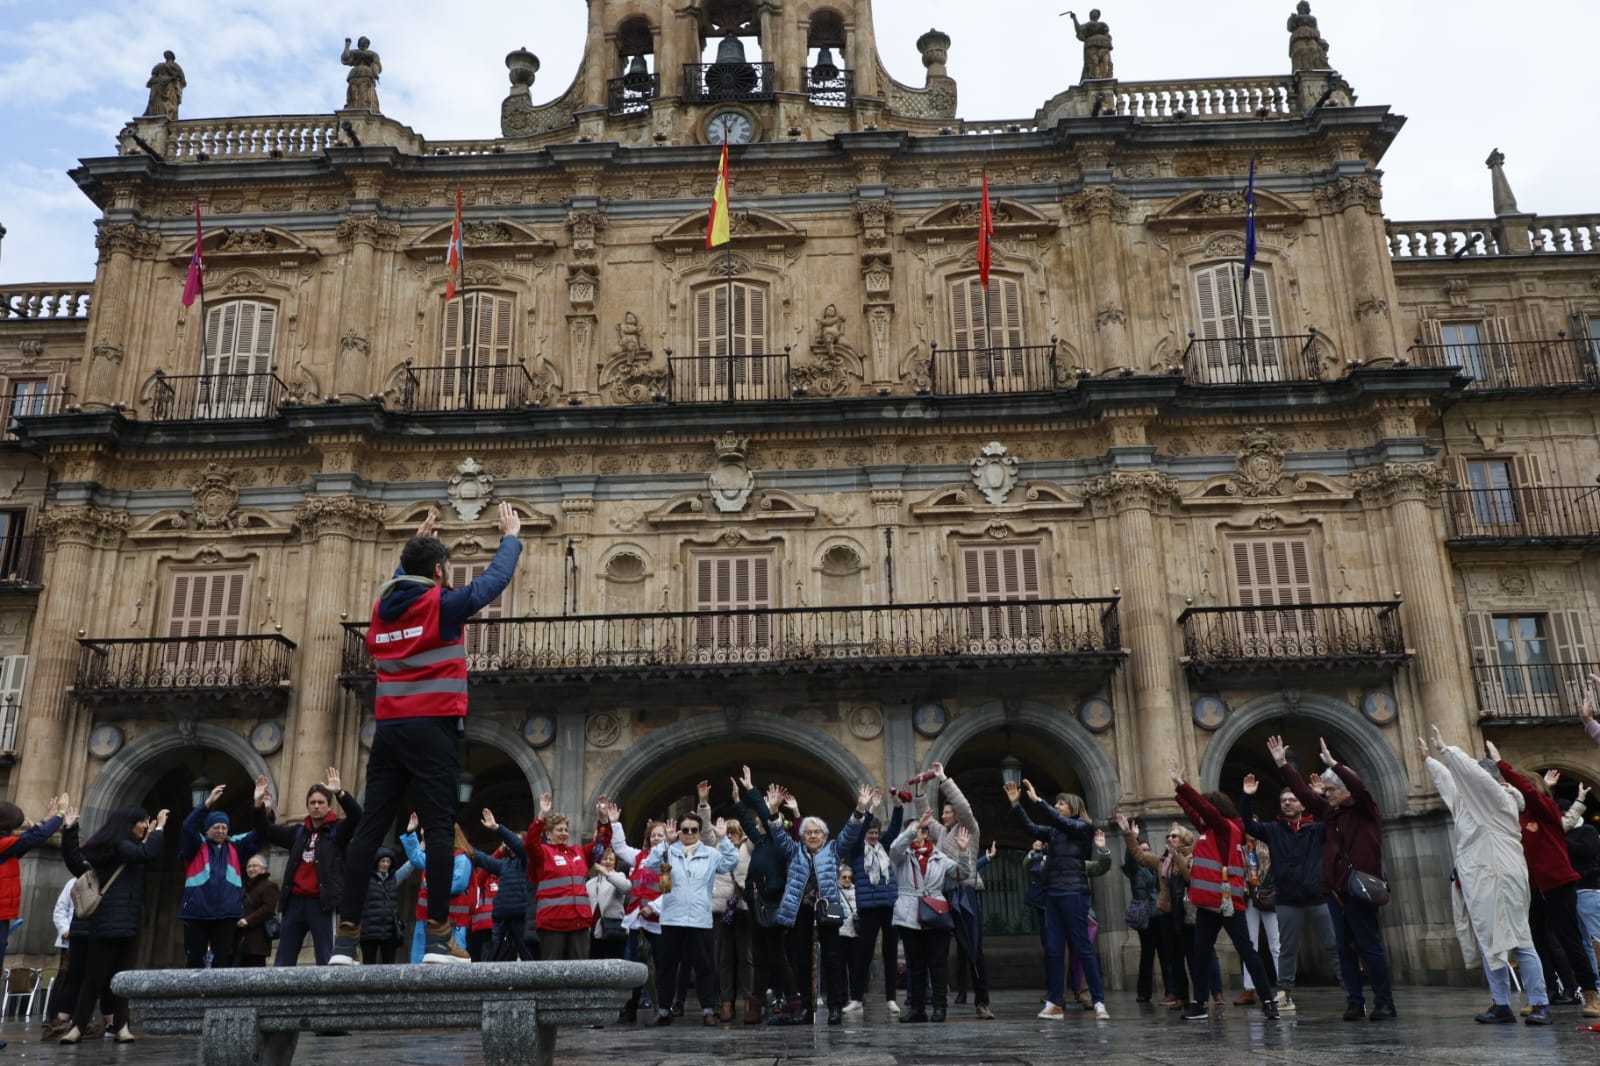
(1469, 75)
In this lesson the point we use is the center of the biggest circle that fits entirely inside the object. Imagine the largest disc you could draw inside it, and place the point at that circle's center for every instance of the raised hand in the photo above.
(71, 818)
(1327, 756)
(161, 818)
(994, 848)
(733, 785)
(863, 798)
(1422, 747)
(488, 821)
(1551, 777)
(702, 791)
(1586, 705)
(263, 797)
(510, 521)
(938, 770)
(746, 780)
(1176, 773)
(1583, 792)
(925, 819)
(332, 781)
(546, 802)
(1033, 796)
(1013, 792)
(1278, 750)
(788, 799)
(211, 798)
(1250, 784)
(963, 837)
(1100, 838)
(1494, 752)
(1438, 738)
(876, 799)
(1122, 821)
(413, 822)
(610, 812)
(430, 519)
(721, 826)
(774, 799)
(672, 830)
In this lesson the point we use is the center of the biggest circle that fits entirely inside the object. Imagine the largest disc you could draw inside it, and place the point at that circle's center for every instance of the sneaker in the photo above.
(853, 1006)
(1591, 1004)
(1384, 1012)
(1052, 1012)
(984, 1013)
(1100, 1013)
(1285, 1003)
(894, 1008)
(1499, 1014)
(1269, 1010)
(1196, 1012)
(125, 1035)
(1540, 1016)
(439, 945)
(1355, 1012)
(345, 941)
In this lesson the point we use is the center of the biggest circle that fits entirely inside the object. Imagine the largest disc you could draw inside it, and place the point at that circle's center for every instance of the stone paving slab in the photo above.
(1435, 1029)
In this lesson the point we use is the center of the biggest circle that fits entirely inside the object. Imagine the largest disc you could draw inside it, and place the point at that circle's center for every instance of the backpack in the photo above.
(87, 891)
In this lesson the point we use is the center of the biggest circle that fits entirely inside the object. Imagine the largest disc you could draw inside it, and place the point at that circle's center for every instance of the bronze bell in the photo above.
(825, 70)
(638, 76)
(731, 50)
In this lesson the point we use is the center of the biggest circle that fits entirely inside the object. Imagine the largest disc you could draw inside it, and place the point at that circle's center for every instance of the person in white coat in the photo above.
(1494, 876)
(686, 913)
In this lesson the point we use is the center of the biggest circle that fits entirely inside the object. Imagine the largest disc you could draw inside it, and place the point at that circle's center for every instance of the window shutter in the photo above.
(209, 604)
(1214, 301)
(732, 583)
(1532, 504)
(1428, 331)
(1481, 645)
(757, 333)
(13, 678)
(1500, 355)
(1002, 576)
(483, 642)
(1571, 656)
(963, 318)
(1269, 571)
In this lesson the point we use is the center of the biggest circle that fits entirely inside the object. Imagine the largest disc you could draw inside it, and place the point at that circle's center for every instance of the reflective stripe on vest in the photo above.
(391, 689)
(440, 654)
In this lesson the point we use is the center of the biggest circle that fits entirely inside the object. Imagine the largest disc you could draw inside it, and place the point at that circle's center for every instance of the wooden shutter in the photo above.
(1572, 655)
(1533, 504)
(966, 314)
(1213, 287)
(205, 604)
(13, 677)
(725, 583)
(478, 334)
(1002, 574)
(1219, 318)
(1484, 654)
(1270, 571)
(240, 338)
(483, 642)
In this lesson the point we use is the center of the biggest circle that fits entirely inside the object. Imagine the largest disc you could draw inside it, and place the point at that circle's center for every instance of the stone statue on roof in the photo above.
(166, 86)
(361, 85)
(1096, 38)
(1307, 49)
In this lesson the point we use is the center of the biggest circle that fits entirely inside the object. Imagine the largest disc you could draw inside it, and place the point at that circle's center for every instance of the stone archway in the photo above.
(132, 772)
(492, 733)
(1099, 777)
(1378, 763)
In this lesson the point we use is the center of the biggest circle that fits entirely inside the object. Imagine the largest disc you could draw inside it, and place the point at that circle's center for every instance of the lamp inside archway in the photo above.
(1011, 771)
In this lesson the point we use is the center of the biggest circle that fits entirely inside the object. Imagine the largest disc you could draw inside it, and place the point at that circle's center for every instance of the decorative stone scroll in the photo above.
(337, 516)
(1130, 490)
(1393, 482)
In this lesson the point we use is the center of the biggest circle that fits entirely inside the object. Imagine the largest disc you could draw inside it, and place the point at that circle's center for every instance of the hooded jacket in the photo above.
(871, 896)
(1296, 854)
(511, 902)
(380, 910)
(1069, 843)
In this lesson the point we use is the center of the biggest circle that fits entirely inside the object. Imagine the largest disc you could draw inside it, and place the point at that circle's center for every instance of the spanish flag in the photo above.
(455, 254)
(717, 221)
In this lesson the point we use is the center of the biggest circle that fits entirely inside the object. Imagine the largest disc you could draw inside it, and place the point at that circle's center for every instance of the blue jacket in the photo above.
(216, 889)
(693, 879)
(825, 860)
(456, 606)
(882, 894)
(512, 900)
(1143, 881)
(1069, 843)
(1296, 854)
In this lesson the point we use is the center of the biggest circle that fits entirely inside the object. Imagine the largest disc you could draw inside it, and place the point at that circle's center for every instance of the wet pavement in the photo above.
(1435, 1026)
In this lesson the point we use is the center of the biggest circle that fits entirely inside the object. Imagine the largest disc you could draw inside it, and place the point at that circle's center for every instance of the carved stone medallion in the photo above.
(470, 489)
(1260, 464)
(730, 481)
(216, 498)
(994, 472)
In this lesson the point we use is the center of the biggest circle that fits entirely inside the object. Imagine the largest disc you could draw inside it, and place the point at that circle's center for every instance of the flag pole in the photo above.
(727, 260)
(1238, 318)
(472, 343)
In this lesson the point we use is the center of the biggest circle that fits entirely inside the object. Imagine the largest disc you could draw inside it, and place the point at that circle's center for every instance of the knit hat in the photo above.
(215, 818)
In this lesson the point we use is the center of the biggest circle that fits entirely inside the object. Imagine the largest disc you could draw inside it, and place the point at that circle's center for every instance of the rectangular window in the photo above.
(980, 353)
(729, 349)
(1272, 572)
(1522, 650)
(1463, 347)
(13, 679)
(724, 584)
(14, 561)
(28, 396)
(1494, 500)
(484, 640)
(475, 355)
(1003, 578)
(204, 605)
(236, 372)
(1237, 334)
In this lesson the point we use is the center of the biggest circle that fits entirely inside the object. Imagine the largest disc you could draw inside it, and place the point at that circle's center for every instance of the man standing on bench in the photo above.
(417, 639)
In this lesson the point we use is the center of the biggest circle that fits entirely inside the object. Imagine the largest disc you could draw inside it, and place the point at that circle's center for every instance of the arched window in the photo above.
(236, 369)
(827, 80)
(637, 81)
(475, 365)
(1237, 338)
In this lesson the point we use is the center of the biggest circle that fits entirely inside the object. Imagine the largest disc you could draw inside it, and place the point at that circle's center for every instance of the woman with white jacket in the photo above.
(686, 913)
(923, 872)
(608, 890)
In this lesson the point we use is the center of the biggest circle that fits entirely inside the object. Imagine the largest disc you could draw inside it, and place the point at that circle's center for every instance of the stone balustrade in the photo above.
(1205, 98)
(271, 137)
(40, 301)
(1455, 239)
(1565, 233)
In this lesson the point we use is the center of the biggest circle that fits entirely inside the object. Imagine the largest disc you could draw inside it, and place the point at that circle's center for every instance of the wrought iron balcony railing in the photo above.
(27, 404)
(1513, 517)
(980, 371)
(1531, 691)
(134, 669)
(1329, 636)
(833, 87)
(705, 83)
(186, 397)
(470, 387)
(1057, 633)
(1253, 360)
(631, 94)
(21, 562)
(727, 378)
(1508, 366)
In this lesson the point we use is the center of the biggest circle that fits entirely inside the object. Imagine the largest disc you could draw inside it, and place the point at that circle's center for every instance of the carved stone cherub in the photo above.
(630, 335)
(830, 328)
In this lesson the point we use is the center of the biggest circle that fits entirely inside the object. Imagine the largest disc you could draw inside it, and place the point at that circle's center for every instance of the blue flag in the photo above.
(1250, 220)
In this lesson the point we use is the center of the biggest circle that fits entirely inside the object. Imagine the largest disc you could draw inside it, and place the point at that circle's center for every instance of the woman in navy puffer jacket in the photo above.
(876, 890)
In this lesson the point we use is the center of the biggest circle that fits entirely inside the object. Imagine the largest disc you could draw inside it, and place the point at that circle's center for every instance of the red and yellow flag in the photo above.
(454, 255)
(985, 236)
(717, 221)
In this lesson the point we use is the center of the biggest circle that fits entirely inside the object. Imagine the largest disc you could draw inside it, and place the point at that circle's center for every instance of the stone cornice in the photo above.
(137, 241)
(97, 527)
(1396, 482)
(338, 516)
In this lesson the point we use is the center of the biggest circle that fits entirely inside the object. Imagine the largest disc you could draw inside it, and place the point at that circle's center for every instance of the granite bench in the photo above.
(255, 1016)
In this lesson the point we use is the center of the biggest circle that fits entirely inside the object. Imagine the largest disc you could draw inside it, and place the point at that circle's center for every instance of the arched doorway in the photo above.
(164, 770)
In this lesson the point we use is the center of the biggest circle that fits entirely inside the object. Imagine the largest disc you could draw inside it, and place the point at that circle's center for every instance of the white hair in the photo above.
(1333, 780)
(811, 821)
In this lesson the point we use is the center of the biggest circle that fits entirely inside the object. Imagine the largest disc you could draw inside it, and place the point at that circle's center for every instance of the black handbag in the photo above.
(935, 914)
(829, 914)
(1138, 916)
(272, 927)
(1368, 888)
(611, 929)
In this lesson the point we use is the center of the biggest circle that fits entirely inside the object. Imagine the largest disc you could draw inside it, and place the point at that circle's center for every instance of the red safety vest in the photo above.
(1205, 871)
(419, 675)
(562, 899)
(460, 905)
(488, 887)
(10, 884)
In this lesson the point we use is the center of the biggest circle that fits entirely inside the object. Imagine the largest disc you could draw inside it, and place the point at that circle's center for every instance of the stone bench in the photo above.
(256, 1016)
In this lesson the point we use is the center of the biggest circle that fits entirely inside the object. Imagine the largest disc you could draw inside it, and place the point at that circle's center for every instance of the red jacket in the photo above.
(561, 873)
(460, 905)
(419, 674)
(1219, 837)
(485, 887)
(1544, 841)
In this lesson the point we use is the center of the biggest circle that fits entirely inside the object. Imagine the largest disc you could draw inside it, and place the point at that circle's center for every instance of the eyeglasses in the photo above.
(1174, 836)
(689, 829)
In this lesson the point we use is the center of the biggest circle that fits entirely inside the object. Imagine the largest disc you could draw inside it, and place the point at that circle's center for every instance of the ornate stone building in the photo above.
(814, 500)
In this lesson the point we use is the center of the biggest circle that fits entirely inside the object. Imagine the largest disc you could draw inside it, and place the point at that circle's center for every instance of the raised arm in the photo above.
(1247, 809)
(1130, 842)
(1294, 782)
(957, 800)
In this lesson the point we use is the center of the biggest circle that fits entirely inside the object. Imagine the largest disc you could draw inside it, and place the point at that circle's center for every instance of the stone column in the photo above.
(1358, 201)
(1103, 208)
(1133, 499)
(74, 536)
(115, 290)
(361, 236)
(332, 524)
(1410, 492)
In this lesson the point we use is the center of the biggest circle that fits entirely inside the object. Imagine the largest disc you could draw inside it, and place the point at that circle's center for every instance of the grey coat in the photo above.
(913, 883)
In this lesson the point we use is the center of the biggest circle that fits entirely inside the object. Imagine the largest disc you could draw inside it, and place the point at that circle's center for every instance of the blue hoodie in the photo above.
(456, 606)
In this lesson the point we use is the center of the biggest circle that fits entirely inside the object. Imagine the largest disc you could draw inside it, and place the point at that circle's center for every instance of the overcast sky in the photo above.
(1469, 75)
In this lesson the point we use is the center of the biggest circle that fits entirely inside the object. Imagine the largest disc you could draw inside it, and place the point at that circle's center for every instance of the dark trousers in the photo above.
(103, 961)
(873, 923)
(608, 947)
(1553, 916)
(510, 940)
(379, 952)
(927, 963)
(423, 753)
(1356, 923)
(1150, 946)
(733, 955)
(1179, 936)
(638, 941)
(302, 915)
(681, 945)
(769, 962)
(966, 905)
(1066, 920)
(1207, 924)
(830, 946)
(556, 946)
(479, 942)
(218, 934)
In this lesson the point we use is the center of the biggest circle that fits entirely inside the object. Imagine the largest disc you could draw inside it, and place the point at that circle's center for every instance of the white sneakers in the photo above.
(1285, 1002)
(894, 1008)
(1052, 1012)
(1100, 1013)
(853, 1006)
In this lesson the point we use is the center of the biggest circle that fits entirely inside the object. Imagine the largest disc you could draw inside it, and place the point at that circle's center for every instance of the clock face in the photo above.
(731, 127)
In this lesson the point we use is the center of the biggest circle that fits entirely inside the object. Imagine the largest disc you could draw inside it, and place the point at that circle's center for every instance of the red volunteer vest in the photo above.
(460, 905)
(419, 675)
(488, 887)
(562, 899)
(1206, 873)
(10, 884)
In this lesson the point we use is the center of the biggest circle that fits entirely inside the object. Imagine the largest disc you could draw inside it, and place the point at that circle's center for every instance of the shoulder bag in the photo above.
(1368, 888)
(87, 891)
(1138, 916)
(934, 914)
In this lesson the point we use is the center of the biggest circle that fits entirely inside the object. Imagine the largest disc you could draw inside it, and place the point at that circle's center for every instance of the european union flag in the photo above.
(1250, 220)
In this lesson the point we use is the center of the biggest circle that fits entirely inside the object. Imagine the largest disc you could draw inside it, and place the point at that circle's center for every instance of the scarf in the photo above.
(921, 850)
(876, 861)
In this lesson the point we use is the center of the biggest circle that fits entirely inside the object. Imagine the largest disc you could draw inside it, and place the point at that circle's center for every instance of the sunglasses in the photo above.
(689, 829)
